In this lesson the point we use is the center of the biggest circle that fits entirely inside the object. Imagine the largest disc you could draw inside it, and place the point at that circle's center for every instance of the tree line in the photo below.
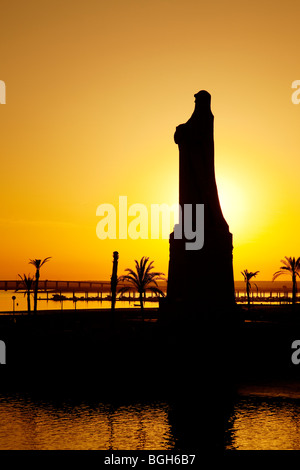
(291, 266)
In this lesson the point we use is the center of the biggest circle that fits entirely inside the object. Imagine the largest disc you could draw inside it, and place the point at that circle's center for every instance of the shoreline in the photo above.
(82, 352)
(283, 308)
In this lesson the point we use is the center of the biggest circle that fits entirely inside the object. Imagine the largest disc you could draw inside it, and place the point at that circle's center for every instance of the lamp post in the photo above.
(13, 299)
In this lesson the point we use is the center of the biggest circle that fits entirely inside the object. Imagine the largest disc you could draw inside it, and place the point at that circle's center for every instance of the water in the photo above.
(265, 424)
(6, 303)
(36, 424)
(262, 418)
(265, 418)
(20, 304)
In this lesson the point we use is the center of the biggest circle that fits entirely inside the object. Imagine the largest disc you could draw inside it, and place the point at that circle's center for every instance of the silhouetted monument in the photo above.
(203, 277)
(200, 313)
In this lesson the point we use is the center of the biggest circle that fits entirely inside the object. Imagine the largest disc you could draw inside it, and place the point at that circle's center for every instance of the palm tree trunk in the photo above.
(248, 295)
(294, 288)
(28, 301)
(37, 276)
(142, 305)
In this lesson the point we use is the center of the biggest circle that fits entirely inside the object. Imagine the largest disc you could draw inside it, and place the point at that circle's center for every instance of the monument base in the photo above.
(203, 278)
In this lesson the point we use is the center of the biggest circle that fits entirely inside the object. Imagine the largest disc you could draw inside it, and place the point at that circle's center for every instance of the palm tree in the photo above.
(291, 266)
(247, 276)
(27, 281)
(142, 279)
(37, 263)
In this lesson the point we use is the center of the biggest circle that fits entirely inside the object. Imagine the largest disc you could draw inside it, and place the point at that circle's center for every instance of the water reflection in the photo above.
(266, 422)
(44, 425)
(6, 303)
(258, 421)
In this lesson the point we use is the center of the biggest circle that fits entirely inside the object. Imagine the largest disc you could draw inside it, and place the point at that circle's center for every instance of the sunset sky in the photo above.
(94, 92)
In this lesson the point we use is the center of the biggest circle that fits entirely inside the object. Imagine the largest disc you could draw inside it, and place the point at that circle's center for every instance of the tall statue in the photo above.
(202, 277)
(200, 310)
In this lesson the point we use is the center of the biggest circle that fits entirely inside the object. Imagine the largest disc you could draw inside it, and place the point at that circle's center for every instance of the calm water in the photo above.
(263, 418)
(20, 303)
(28, 424)
(6, 303)
(266, 417)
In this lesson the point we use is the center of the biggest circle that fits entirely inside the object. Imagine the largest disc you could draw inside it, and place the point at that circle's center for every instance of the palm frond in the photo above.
(143, 276)
(131, 279)
(156, 290)
(27, 280)
(275, 275)
(140, 268)
(38, 263)
(149, 268)
(45, 261)
(124, 289)
(132, 273)
(248, 274)
(35, 262)
(290, 265)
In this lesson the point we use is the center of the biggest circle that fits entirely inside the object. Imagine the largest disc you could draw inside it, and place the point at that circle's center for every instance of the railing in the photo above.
(64, 286)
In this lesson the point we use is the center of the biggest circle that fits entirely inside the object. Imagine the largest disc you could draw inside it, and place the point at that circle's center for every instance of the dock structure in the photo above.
(102, 289)
(60, 286)
(263, 292)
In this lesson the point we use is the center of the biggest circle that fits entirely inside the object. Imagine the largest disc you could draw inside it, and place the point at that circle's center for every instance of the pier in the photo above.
(262, 291)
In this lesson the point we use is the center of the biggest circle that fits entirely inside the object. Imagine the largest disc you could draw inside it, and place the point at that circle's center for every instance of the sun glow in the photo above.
(234, 203)
(90, 117)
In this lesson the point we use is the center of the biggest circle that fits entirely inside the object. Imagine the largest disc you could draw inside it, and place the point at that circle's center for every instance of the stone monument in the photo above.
(199, 316)
(202, 278)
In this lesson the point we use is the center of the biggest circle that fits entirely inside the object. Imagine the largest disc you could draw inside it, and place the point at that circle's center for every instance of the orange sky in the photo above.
(94, 92)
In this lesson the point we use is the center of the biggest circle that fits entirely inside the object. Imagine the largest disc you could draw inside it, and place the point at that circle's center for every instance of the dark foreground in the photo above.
(188, 360)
